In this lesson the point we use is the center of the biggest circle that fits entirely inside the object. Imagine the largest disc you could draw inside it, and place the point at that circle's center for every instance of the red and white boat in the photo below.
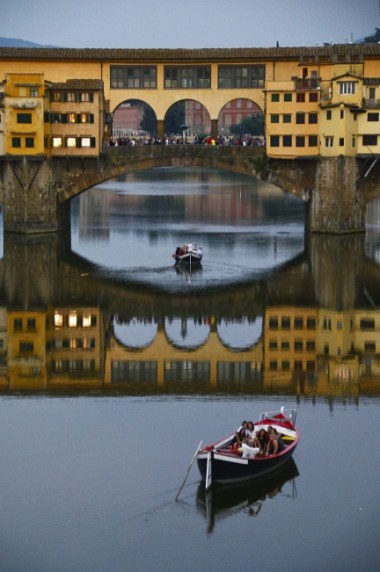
(188, 253)
(220, 463)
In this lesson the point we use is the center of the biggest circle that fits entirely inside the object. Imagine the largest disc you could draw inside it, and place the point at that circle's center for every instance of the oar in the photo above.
(188, 470)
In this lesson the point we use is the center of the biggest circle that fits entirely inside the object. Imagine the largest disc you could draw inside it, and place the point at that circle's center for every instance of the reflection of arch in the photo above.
(135, 332)
(134, 118)
(240, 334)
(177, 329)
(188, 112)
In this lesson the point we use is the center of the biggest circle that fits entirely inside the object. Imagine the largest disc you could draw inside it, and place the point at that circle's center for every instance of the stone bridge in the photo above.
(37, 191)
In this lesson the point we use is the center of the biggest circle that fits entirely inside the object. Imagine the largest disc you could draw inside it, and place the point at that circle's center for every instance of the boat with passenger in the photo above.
(234, 460)
(188, 253)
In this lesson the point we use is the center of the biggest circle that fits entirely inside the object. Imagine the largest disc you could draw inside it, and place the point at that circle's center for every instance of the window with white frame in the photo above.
(347, 87)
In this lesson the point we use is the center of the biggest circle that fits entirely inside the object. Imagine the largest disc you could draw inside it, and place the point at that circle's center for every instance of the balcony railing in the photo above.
(305, 83)
(371, 102)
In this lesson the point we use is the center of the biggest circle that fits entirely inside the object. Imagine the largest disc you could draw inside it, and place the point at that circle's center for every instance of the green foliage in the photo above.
(252, 125)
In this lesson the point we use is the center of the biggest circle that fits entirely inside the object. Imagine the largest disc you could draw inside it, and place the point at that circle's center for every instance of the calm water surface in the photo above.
(92, 459)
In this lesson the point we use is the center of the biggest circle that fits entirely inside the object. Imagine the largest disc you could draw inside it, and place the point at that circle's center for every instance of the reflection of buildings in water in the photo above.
(209, 364)
(305, 351)
(54, 347)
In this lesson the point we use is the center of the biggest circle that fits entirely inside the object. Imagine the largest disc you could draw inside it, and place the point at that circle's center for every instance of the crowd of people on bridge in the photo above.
(221, 140)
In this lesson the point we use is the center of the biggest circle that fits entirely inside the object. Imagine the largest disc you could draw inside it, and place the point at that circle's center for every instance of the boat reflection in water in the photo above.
(221, 502)
(188, 271)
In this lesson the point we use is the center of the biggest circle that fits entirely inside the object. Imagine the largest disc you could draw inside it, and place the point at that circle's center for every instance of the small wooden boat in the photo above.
(225, 463)
(188, 254)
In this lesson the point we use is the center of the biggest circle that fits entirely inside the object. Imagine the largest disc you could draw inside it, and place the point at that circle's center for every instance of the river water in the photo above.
(115, 364)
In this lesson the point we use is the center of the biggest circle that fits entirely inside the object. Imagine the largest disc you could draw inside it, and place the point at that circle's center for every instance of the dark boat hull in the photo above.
(231, 469)
(188, 259)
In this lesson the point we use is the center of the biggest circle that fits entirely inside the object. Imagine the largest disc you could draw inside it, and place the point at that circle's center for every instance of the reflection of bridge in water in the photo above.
(60, 312)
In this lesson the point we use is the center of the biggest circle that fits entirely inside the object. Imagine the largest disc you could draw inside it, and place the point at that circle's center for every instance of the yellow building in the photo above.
(74, 118)
(292, 110)
(24, 113)
(27, 361)
(76, 346)
(289, 342)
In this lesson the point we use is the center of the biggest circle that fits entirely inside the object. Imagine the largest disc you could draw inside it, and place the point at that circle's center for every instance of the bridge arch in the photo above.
(133, 118)
(240, 111)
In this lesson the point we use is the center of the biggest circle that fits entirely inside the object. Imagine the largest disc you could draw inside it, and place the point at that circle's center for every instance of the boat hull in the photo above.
(188, 259)
(231, 469)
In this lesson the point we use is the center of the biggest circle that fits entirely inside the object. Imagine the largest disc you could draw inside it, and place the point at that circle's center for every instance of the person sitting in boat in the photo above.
(251, 434)
(262, 441)
(275, 444)
(240, 436)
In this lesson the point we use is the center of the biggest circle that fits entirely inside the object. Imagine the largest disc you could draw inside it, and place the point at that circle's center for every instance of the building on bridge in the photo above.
(332, 110)
(52, 119)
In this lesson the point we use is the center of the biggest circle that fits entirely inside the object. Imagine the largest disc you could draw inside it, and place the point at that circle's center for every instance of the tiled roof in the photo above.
(371, 81)
(82, 84)
(120, 54)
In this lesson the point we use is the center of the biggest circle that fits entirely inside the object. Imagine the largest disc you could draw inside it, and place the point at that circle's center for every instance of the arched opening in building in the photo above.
(133, 119)
(241, 119)
(187, 120)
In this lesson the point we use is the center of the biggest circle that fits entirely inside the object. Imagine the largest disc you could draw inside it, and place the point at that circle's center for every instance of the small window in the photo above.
(346, 87)
(313, 118)
(373, 117)
(58, 320)
(71, 117)
(16, 142)
(272, 344)
(274, 118)
(275, 97)
(273, 323)
(285, 345)
(24, 118)
(17, 324)
(287, 140)
(285, 323)
(31, 324)
(313, 96)
(71, 142)
(274, 141)
(26, 347)
(285, 365)
(313, 140)
(310, 323)
(57, 142)
(73, 319)
(328, 114)
(298, 323)
(288, 97)
(33, 92)
(329, 141)
(287, 118)
(369, 140)
(300, 98)
(29, 142)
(367, 324)
(70, 96)
(300, 118)
(300, 141)
(298, 345)
(341, 141)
